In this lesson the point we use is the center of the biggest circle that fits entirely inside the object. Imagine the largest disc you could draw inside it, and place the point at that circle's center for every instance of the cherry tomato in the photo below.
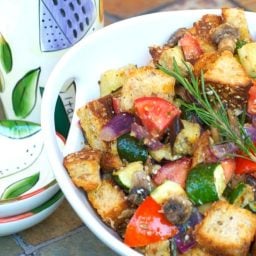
(176, 171)
(190, 47)
(148, 225)
(251, 106)
(155, 113)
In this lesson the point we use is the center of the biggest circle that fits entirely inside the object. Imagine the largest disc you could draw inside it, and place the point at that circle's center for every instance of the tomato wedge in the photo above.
(156, 114)
(190, 47)
(251, 106)
(148, 225)
(244, 165)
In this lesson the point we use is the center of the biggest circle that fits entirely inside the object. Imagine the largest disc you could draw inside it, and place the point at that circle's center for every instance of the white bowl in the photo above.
(122, 43)
(20, 222)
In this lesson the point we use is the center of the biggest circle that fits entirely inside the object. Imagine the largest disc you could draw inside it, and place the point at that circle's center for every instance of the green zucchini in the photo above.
(130, 149)
(205, 183)
(241, 195)
(166, 190)
(124, 176)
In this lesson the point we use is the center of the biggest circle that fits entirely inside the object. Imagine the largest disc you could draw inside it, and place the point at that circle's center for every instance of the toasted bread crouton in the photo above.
(146, 81)
(202, 30)
(196, 251)
(110, 162)
(109, 201)
(165, 57)
(113, 79)
(227, 230)
(236, 17)
(84, 168)
(93, 116)
(161, 248)
(233, 86)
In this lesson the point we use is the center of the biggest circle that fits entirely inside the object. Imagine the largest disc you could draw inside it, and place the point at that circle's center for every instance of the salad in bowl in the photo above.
(169, 159)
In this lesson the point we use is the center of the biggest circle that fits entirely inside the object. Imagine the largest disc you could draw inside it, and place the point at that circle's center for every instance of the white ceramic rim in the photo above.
(55, 81)
(26, 220)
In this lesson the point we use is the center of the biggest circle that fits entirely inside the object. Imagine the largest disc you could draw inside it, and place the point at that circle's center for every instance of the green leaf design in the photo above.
(48, 203)
(62, 123)
(1, 82)
(5, 54)
(25, 92)
(18, 129)
(20, 187)
(2, 111)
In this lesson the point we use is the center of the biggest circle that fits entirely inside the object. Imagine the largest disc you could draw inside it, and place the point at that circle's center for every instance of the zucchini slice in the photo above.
(205, 183)
(124, 176)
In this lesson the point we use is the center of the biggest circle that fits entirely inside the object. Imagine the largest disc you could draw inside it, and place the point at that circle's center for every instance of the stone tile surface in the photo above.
(250, 5)
(9, 247)
(199, 4)
(62, 221)
(124, 9)
(82, 243)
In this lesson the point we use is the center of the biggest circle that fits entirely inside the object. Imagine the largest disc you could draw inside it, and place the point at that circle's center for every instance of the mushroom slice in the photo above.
(225, 36)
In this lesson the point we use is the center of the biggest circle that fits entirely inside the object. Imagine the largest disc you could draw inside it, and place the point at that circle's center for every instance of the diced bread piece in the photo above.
(236, 17)
(146, 81)
(161, 248)
(113, 79)
(93, 116)
(110, 162)
(227, 230)
(233, 86)
(109, 201)
(165, 57)
(84, 168)
(202, 30)
(196, 251)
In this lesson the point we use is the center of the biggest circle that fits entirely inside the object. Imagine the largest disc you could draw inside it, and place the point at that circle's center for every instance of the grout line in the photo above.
(20, 242)
(32, 250)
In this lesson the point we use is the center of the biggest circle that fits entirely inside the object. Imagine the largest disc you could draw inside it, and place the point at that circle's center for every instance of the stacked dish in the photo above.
(27, 184)
(28, 189)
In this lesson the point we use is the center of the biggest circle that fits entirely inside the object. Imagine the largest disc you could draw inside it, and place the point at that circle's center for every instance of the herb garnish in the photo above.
(207, 112)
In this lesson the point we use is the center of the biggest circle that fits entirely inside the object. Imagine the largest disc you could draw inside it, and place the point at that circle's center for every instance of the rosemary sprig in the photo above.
(207, 112)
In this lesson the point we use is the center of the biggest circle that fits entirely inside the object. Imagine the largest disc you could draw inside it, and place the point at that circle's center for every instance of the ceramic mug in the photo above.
(34, 34)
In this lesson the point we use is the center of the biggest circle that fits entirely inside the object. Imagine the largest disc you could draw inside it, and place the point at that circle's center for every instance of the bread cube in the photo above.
(109, 201)
(143, 82)
(236, 17)
(227, 230)
(93, 116)
(84, 168)
(233, 86)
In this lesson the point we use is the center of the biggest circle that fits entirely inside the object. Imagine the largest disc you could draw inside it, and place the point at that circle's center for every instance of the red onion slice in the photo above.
(117, 126)
(185, 238)
(250, 131)
(223, 151)
(141, 133)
